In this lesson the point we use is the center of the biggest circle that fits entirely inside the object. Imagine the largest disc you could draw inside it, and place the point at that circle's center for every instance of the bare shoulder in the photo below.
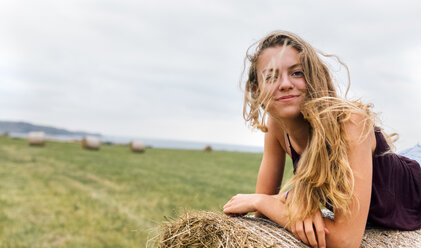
(275, 132)
(360, 133)
(358, 129)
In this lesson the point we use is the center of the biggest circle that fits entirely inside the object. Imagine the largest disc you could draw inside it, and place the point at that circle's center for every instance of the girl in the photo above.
(341, 159)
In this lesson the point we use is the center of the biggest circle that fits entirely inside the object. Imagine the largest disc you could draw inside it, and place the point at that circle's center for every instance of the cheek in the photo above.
(267, 89)
(301, 85)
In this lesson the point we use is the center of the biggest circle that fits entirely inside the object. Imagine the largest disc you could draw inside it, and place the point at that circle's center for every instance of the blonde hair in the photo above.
(324, 175)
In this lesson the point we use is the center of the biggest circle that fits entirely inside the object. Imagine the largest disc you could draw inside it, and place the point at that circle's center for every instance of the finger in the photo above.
(231, 212)
(309, 231)
(233, 209)
(226, 210)
(227, 205)
(300, 231)
(319, 225)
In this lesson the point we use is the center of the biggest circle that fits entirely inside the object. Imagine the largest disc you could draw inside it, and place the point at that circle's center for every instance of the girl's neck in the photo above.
(297, 128)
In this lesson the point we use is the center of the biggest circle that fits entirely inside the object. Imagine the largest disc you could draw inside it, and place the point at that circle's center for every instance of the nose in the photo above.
(285, 83)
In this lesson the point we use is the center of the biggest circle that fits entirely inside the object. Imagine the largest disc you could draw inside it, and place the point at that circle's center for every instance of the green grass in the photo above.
(62, 196)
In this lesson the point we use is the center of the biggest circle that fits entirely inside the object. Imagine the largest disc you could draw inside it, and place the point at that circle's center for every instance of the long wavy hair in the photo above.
(323, 175)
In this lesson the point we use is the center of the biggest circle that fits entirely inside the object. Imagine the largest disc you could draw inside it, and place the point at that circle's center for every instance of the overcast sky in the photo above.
(170, 69)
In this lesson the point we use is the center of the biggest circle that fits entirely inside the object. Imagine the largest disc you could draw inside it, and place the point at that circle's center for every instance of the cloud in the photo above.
(166, 68)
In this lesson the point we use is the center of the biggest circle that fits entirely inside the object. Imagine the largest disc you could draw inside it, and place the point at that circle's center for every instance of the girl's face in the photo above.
(281, 79)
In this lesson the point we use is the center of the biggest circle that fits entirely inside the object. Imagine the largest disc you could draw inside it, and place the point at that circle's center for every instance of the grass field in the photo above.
(62, 196)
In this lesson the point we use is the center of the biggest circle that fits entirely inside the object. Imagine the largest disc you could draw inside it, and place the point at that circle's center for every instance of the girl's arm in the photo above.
(347, 231)
(344, 231)
(269, 205)
(272, 166)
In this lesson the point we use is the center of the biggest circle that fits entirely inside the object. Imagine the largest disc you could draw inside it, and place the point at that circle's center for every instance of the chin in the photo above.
(285, 113)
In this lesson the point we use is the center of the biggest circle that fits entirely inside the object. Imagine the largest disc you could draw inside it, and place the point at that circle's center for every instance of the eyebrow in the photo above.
(289, 68)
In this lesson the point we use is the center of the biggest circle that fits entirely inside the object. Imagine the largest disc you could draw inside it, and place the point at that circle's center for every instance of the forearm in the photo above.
(273, 208)
(258, 213)
(338, 234)
(281, 197)
(264, 188)
(340, 237)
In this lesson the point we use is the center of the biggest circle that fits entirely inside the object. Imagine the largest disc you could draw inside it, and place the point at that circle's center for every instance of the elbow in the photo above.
(343, 241)
(340, 235)
(345, 244)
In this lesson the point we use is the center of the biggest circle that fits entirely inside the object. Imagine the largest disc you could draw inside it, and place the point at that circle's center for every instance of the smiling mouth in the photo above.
(286, 98)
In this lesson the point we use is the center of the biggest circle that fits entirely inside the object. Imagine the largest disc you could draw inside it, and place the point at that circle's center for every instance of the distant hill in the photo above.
(25, 127)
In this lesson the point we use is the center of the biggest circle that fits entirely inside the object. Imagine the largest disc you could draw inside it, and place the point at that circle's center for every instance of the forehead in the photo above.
(279, 56)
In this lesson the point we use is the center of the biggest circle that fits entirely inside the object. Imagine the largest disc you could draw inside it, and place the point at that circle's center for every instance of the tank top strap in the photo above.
(294, 155)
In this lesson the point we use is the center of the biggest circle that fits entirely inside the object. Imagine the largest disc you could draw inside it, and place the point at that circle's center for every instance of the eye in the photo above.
(271, 78)
(297, 74)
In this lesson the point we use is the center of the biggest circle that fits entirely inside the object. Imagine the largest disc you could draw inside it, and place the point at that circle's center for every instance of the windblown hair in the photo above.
(324, 175)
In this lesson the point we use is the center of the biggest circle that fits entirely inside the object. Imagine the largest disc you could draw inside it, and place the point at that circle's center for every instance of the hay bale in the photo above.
(207, 149)
(209, 229)
(137, 146)
(91, 143)
(36, 138)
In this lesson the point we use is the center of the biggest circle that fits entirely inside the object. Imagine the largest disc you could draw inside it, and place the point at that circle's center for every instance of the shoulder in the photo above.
(275, 133)
(360, 137)
(358, 128)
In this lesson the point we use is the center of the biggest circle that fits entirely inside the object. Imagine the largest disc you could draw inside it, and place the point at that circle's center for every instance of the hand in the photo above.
(241, 204)
(311, 231)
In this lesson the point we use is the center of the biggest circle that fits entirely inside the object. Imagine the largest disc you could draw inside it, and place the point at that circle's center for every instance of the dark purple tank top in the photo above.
(396, 188)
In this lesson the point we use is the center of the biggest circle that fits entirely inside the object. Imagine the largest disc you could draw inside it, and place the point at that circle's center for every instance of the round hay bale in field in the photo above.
(210, 229)
(91, 143)
(137, 146)
(36, 138)
(207, 149)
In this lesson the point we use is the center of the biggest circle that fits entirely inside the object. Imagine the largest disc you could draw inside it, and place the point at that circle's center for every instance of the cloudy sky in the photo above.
(170, 69)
